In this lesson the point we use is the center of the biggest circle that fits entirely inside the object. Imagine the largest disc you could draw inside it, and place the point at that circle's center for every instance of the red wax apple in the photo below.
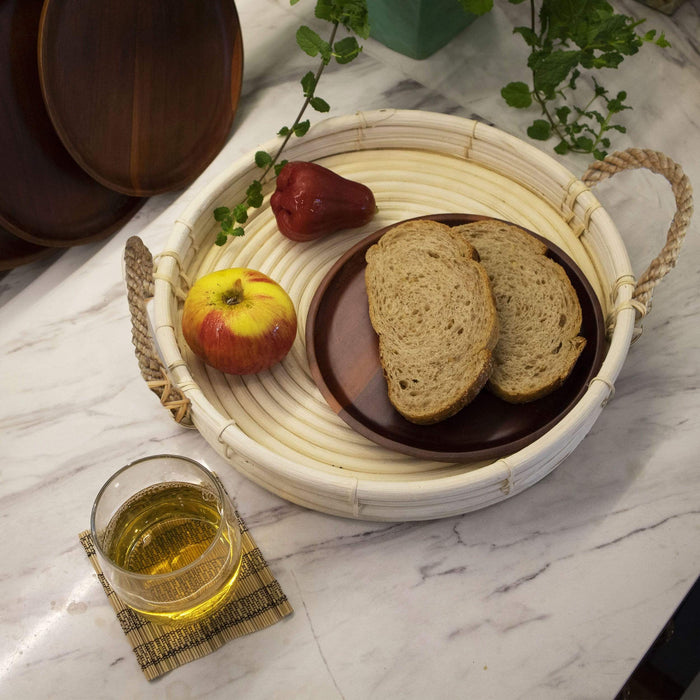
(311, 201)
(239, 320)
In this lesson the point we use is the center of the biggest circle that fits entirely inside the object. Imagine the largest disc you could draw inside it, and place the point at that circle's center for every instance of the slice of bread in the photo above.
(538, 311)
(431, 305)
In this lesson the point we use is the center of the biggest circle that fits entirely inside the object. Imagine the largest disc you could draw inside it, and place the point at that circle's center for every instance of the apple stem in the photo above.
(235, 295)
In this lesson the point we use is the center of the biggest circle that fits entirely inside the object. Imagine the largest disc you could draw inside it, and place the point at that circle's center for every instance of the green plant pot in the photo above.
(416, 28)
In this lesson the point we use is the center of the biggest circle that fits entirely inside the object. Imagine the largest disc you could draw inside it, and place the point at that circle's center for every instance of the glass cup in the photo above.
(167, 538)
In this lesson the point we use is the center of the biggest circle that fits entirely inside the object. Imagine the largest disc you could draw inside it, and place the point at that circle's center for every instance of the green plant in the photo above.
(568, 41)
(352, 16)
(566, 38)
(477, 7)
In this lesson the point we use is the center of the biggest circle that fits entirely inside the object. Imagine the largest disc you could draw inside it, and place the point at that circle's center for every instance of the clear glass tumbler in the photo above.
(167, 538)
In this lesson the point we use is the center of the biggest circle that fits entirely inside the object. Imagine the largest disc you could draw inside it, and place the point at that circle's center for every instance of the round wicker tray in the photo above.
(275, 427)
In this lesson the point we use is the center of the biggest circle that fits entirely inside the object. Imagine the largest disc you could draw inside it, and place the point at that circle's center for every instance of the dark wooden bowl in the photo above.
(142, 94)
(342, 350)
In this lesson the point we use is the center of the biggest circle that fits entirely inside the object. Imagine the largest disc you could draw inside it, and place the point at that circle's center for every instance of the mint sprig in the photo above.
(352, 16)
(569, 40)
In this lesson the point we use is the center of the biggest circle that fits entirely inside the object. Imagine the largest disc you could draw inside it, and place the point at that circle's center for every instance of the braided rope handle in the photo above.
(139, 290)
(634, 158)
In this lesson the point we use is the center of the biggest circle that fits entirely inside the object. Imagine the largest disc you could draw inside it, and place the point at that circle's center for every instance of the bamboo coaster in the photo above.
(258, 603)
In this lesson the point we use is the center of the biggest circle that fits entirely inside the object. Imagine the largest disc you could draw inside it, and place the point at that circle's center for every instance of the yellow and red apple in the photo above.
(239, 321)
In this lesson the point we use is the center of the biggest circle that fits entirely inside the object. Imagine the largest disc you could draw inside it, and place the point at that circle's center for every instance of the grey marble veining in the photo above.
(555, 593)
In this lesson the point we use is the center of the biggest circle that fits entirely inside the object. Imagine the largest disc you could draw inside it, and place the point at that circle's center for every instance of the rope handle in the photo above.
(139, 290)
(656, 162)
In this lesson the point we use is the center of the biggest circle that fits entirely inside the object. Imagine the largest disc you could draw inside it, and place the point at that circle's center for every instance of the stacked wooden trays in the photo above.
(275, 427)
(90, 124)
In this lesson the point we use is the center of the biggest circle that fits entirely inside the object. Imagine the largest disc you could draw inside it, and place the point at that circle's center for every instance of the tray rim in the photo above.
(353, 495)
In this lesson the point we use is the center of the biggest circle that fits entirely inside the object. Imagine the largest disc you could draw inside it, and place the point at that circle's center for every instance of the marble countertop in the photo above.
(555, 593)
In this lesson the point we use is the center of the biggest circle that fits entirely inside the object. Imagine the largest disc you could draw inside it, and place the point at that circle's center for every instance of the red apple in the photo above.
(239, 320)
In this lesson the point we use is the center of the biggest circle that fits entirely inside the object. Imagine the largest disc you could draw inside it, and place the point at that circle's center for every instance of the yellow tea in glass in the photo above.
(167, 539)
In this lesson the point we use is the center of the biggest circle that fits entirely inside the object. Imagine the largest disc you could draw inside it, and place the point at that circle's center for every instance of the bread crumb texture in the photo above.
(432, 307)
(538, 311)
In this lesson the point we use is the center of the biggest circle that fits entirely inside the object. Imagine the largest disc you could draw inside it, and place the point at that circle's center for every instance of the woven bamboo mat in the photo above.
(258, 603)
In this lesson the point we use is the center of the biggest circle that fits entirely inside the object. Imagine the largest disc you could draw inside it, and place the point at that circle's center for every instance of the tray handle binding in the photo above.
(140, 286)
(659, 163)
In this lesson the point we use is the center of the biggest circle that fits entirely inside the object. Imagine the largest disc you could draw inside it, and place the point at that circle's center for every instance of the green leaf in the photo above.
(238, 231)
(610, 59)
(240, 213)
(517, 94)
(326, 9)
(302, 127)
(352, 14)
(599, 154)
(563, 113)
(592, 25)
(599, 89)
(540, 130)
(283, 131)
(616, 105)
(254, 196)
(562, 148)
(262, 159)
(549, 70)
(477, 7)
(279, 166)
(575, 75)
(308, 40)
(222, 213)
(663, 42)
(596, 116)
(346, 50)
(312, 44)
(221, 238)
(319, 105)
(530, 36)
(308, 84)
(584, 143)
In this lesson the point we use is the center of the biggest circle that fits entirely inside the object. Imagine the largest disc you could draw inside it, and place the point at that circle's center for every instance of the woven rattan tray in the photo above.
(275, 427)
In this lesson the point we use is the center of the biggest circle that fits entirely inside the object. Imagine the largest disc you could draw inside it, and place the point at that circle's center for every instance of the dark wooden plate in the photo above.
(343, 355)
(15, 251)
(142, 94)
(45, 197)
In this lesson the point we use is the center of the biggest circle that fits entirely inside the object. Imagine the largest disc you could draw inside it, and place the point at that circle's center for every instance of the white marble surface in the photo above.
(556, 593)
